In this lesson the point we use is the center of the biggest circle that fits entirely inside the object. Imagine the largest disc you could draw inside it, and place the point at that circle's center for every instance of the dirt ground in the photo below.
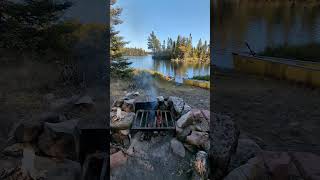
(279, 115)
(194, 96)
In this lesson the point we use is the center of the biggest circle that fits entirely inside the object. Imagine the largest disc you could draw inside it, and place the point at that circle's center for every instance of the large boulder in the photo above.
(177, 147)
(122, 120)
(308, 164)
(224, 135)
(60, 140)
(50, 169)
(246, 150)
(254, 169)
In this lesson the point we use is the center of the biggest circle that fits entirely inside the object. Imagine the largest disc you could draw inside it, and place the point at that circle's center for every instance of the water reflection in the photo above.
(166, 67)
(261, 24)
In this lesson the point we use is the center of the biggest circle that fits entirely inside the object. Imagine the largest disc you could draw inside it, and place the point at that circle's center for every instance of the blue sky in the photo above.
(167, 18)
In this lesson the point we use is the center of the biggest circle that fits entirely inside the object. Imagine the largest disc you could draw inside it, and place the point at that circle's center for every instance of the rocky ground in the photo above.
(279, 115)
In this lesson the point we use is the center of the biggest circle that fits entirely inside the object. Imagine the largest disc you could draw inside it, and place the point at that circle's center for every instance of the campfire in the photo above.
(152, 116)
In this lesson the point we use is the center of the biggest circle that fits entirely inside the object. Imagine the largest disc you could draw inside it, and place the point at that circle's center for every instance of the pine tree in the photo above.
(154, 43)
(119, 65)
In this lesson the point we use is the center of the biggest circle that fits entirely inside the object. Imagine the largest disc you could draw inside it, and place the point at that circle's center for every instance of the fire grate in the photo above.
(153, 120)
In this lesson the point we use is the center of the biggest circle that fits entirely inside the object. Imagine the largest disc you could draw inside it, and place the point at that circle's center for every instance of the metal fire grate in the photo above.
(153, 120)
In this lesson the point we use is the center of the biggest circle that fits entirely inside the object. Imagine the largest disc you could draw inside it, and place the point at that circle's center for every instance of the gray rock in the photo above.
(185, 120)
(160, 98)
(15, 150)
(246, 150)
(85, 101)
(118, 103)
(128, 105)
(117, 159)
(124, 122)
(198, 139)
(25, 131)
(201, 121)
(177, 147)
(49, 169)
(63, 103)
(183, 133)
(224, 139)
(177, 104)
(254, 169)
(60, 140)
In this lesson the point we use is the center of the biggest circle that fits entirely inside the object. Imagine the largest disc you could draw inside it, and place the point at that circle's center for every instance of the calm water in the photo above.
(166, 67)
(261, 24)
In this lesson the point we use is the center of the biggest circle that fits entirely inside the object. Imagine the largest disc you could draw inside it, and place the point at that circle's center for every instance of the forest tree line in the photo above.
(134, 51)
(180, 49)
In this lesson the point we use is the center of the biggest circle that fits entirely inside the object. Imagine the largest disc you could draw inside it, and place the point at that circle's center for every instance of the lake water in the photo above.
(261, 24)
(169, 68)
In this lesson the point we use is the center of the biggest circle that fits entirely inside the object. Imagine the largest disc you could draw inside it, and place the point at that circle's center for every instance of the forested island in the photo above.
(180, 50)
(134, 51)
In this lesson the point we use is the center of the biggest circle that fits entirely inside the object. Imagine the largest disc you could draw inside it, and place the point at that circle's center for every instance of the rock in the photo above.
(201, 121)
(190, 148)
(198, 139)
(246, 150)
(15, 150)
(183, 133)
(254, 169)
(131, 95)
(185, 120)
(128, 105)
(186, 108)
(277, 164)
(49, 169)
(85, 101)
(308, 164)
(117, 159)
(177, 104)
(92, 163)
(200, 165)
(160, 98)
(25, 131)
(223, 139)
(125, 132)
(8, 166)
(177, 148)
(119, 138)
(50, 117)
(63, 103)
(118, 103)
(60, 140)
(123, 123)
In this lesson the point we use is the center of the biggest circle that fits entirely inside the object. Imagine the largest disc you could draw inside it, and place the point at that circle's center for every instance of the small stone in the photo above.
(200, 164)
(160, 98)
(125, 132)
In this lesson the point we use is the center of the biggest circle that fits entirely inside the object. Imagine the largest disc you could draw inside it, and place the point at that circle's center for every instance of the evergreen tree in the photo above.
(33, 24)
(119, 65)
(154, 43)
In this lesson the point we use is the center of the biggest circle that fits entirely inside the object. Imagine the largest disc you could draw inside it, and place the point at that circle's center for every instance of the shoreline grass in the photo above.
(305, 52)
